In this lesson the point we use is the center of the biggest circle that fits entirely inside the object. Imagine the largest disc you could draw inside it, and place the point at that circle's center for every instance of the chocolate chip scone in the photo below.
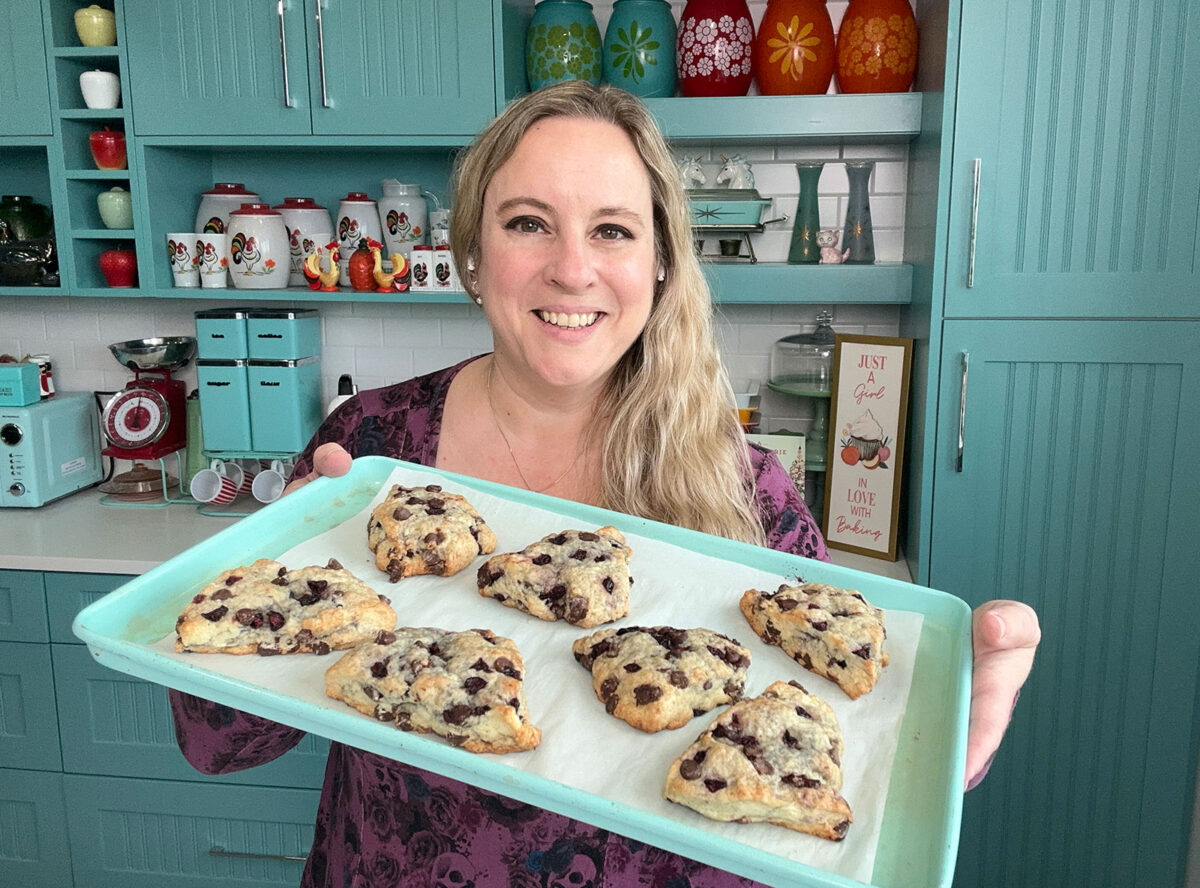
(576, 575)
(775, 758)
(425, 530)
(658, 678)
(830, 631)
(267, 609)
(464, 686)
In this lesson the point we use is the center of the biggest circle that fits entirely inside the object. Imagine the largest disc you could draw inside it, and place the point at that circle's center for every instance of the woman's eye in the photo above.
(525, 224)
(613, 232)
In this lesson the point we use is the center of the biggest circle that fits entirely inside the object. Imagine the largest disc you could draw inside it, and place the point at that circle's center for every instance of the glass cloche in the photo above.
(803, 364)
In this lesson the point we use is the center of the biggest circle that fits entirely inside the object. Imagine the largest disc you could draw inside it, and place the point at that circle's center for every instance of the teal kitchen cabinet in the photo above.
(1076, 162)
(34, 852)
(1077, 493)
(24, 86)
(296, 67)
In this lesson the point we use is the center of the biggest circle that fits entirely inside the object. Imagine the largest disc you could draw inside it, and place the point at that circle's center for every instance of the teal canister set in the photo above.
(259, 375)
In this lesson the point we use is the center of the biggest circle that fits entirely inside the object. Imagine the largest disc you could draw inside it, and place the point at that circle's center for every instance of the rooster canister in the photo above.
(212, 217)
(258, 248)
(714, 52)
(308, 227)
(404, 216)
(639, 48)
(357, 217)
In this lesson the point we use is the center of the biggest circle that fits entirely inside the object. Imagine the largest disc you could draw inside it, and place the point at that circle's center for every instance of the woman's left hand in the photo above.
(1005, 635)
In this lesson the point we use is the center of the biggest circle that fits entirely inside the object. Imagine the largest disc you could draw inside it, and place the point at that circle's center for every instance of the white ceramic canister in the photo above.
(404, 216)
(357, 217)
(258, 248)
(100, 89)
(309, 227)
(218, 202)
(422, 267)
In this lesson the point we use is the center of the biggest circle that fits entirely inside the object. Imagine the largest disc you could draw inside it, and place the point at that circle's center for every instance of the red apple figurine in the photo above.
(119, 267)
(108, 149)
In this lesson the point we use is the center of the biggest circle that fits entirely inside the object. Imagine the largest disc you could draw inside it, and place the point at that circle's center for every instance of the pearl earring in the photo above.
(470, 265)
(662, 274)
(478, 300)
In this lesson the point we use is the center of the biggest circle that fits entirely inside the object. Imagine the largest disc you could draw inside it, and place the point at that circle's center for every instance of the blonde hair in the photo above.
(672, 447)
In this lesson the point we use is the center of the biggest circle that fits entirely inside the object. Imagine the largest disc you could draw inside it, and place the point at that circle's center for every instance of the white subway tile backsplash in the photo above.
(355, 331)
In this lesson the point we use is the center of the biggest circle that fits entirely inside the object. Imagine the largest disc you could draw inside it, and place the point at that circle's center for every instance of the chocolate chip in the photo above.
(280, 580)
(436, 510)
(541, 559)
(217, 614)
(480, 666)
(799, 781)
(790, 741)
(678, 678)
(385, 637)
(579, 555)
(840, 829)
(689, 769)
(588, 537)
(713, 784)
(608, 687)
(819, 625)
(436, 503)
(474, 684)
(229, 581)
(646, 694)
(803, 713)
(786, 604)
(434, 537)
(401, 514)
(486, 576)
(456, 715)
(632, 667)
(600, 558)
(608, 584)
(320, 648)
(761, 765)
(505, 666)
(334, 564)
(249, 617)
(266, 651)
(222, 595)
(434, 488)
(864, 652)
(379, 668)
(559, 540)
(199, 598)
(577, 609)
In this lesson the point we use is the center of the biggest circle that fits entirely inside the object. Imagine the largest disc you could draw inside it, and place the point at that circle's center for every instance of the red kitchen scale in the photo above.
(148, 418)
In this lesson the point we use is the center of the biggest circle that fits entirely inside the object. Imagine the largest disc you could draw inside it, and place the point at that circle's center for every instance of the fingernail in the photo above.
(978, 778)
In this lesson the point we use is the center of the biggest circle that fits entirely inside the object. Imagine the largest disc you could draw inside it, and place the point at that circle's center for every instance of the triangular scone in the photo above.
(658, 677)
(833, 632)
(775, 758)
(267, 609)
(425, 530)
(577, 575)
(464, 686)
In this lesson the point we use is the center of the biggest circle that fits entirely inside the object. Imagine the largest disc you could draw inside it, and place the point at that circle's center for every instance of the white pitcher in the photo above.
(404, 216)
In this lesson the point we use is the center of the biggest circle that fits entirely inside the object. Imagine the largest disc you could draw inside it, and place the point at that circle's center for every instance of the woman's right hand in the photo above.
(328, 459)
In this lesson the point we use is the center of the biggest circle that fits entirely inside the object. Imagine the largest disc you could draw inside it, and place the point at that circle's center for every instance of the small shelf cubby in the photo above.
(25, 169)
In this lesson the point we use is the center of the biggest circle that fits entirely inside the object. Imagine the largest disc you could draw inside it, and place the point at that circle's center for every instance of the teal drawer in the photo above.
(153, 833)
(33, 843)
(28, 723)
(22, 606)
(69, 593)
(118, 725)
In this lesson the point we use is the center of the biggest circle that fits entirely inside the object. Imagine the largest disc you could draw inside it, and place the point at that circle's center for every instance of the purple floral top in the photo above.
(384, 823)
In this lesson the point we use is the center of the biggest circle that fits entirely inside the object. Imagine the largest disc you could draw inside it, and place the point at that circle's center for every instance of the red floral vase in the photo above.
(713, 55)
(794, 49)
(877, 47)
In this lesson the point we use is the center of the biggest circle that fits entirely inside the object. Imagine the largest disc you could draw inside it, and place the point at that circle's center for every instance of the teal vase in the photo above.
(563, 43)
(804, 248)
(639, 48)
(858, 236)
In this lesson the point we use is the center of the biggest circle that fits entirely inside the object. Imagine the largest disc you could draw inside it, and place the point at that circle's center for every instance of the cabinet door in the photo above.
(217, 67)
(1082, 120)
(1078, 495)
(401, 68)
(33, 840)
(22, 606)
(28, 723)
(24, 84)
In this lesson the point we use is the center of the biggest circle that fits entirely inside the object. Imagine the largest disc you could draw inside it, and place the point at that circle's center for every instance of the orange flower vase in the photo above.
(794, 50)
(877, 47)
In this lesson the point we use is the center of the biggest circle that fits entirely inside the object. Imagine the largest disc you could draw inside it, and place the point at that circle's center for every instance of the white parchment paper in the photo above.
(582, 746)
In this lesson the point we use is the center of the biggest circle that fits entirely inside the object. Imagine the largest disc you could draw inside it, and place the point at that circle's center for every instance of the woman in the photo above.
(604, 386)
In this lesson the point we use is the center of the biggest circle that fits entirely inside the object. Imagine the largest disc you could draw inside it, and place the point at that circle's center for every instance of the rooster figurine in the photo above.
(398, 279)
(325, 281)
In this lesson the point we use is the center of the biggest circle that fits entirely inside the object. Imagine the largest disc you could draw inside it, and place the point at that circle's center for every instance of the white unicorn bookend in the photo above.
(692, 172)
(735, 172)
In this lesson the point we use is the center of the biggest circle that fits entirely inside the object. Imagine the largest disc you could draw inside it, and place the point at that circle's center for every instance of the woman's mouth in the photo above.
(570, 320)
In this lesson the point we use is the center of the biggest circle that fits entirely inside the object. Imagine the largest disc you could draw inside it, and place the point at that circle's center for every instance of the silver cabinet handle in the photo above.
(974, 224)
(321, 53)
(962, 414)
(218, 851)
(287, 87)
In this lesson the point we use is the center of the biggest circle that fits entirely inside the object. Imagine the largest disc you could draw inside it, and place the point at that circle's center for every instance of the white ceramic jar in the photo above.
(258, 248)
(218, 202)
(358, 217)
(404, 217)
(308, 227)
(100, 89)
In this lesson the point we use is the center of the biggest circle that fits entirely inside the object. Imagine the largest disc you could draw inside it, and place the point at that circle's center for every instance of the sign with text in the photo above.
(868, 413)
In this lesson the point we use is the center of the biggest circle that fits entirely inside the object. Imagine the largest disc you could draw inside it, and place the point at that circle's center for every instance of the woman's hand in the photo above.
(1005, 635)
(328, 459)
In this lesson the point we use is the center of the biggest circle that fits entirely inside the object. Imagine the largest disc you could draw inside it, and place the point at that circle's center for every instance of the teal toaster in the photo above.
(283, 334)
(285, 403)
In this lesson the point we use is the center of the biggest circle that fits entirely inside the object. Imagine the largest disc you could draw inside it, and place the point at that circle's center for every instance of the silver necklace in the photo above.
(508, 444)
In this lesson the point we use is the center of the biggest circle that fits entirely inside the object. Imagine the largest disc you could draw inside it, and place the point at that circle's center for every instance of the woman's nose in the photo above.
(572, 264)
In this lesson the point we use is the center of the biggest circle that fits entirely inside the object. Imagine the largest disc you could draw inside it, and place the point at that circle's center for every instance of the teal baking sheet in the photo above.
(907, 802)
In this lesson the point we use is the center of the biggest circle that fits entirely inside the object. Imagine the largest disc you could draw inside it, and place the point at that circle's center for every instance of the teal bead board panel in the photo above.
(1082, 124)
(69, 593)
(28, 724)
(32, 839)
(24, 88)
(22, 606)
(1077, 495)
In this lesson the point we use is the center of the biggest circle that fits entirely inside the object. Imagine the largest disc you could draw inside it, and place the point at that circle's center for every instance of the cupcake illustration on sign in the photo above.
(863, 443)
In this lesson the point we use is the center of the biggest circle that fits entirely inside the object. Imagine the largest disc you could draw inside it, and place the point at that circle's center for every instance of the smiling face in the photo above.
(567, 259)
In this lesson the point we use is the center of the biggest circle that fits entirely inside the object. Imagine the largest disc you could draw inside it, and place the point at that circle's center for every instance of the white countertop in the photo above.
(78, 534)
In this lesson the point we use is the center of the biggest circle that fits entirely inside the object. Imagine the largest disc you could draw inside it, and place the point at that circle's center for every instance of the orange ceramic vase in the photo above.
(877, 47)
(794, 49)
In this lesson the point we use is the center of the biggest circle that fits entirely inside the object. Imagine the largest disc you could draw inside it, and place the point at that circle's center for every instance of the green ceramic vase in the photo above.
(563, 43)
(804, 249)
(639, 48)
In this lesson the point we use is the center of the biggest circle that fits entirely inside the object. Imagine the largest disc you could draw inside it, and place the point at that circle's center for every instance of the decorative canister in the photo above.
(357, 217)
(404, 216)
(258, 248)
(562, 43)
(639, 48)
(714, 53)
(116, 208)
(858, 238)
(877, 47)
(96, 26)
(100, 89)
(422, 267)
(794, 50)
(308, 226)
(218, 202)
(804, 248)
